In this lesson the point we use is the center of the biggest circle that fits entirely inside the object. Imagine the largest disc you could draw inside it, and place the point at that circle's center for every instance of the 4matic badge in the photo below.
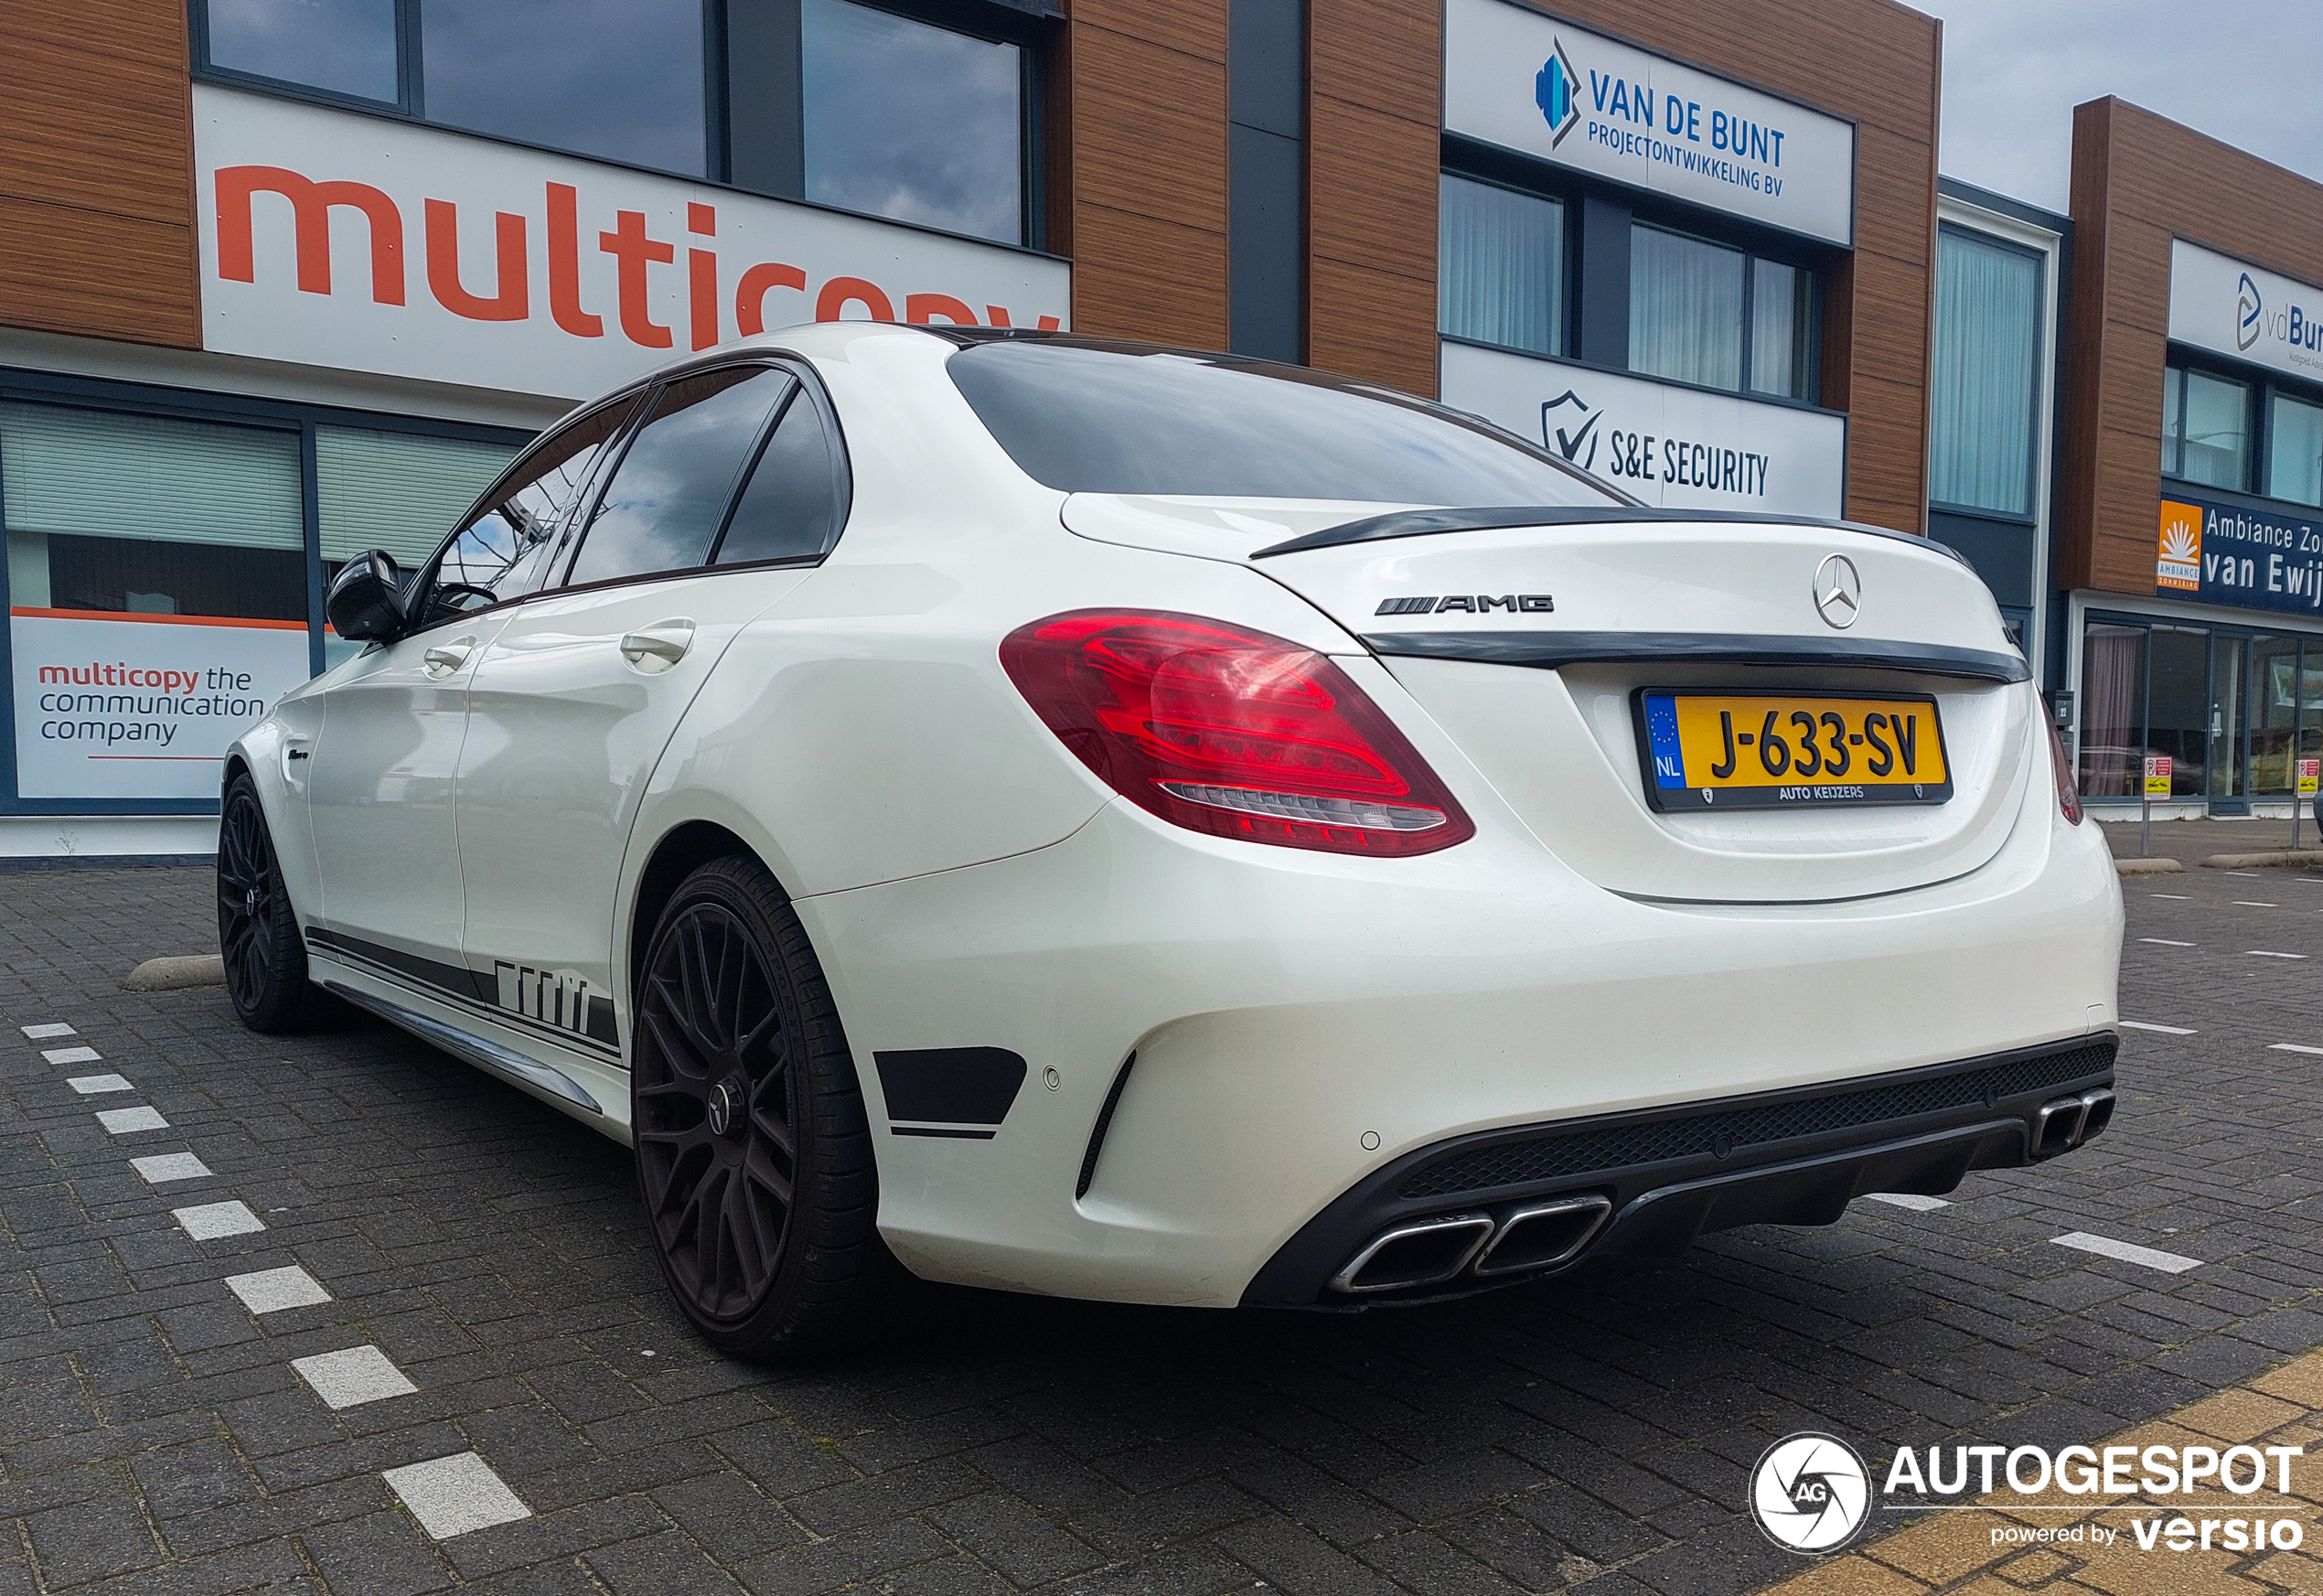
(1477, 603)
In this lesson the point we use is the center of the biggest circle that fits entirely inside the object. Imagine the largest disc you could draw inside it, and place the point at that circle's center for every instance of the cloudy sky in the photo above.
(2241, 70)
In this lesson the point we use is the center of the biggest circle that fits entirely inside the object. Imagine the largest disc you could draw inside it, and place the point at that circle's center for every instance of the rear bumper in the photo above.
(1648, 1183)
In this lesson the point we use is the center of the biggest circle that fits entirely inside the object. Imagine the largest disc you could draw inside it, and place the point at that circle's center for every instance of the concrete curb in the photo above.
(2299, 856)
(2147, 867)
(167, 975)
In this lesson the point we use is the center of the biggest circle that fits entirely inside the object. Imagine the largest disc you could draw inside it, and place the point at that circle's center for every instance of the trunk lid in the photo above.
(1534, 669)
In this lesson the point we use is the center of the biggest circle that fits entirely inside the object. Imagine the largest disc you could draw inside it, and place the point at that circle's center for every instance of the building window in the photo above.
(2295, 450)
(113, 513)
(1503, 267)
(620, 79)
(1707, 314)
(396, 491)
(2206, 429)
(909, 121)
(823, 100)
(1988, 374)
(342, 47)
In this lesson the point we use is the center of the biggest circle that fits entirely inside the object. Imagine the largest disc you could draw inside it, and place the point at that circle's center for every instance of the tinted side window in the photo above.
(662, 507)
(506, 549)
(790, 508)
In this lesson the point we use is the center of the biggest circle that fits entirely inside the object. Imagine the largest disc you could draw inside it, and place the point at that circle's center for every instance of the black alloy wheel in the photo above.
(752, 1151)
(258, 934)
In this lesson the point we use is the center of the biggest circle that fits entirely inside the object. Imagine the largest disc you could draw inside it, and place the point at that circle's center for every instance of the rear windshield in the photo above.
(1092, 418)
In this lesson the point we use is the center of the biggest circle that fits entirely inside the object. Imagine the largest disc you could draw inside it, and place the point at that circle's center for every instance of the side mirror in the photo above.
(365, 604)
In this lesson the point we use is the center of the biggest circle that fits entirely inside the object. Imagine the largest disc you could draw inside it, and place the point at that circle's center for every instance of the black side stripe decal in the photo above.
(529, 999)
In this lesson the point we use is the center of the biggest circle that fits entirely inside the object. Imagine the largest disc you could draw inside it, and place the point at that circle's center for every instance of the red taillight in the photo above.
(1231, 731)
(2067, 795)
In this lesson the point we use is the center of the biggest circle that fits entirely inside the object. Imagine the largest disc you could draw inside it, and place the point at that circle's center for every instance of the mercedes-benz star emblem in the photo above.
(1839, 591)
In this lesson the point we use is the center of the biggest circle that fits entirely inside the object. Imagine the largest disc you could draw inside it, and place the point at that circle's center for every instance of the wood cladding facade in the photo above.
(2139, 181)
(96, 172)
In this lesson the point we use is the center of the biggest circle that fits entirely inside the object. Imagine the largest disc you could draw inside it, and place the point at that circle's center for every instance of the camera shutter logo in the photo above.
(1810, 1493)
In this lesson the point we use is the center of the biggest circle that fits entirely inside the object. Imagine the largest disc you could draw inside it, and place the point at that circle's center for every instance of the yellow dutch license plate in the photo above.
(1706, 750)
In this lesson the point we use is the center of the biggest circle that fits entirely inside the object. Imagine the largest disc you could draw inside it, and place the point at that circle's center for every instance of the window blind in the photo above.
(1501, 278)
(1988, 374)
(397, 491)
(102, 474)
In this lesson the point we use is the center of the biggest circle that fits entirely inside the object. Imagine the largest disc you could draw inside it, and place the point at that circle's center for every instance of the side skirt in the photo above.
(592, 1092)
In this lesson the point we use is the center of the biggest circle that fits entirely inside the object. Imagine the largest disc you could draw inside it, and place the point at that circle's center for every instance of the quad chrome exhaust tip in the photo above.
(1543, 1235)
(2066, 1123)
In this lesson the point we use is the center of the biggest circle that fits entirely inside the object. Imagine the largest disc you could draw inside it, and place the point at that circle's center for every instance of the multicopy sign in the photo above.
(1517, 78)
(2235, 308)
(348, 242)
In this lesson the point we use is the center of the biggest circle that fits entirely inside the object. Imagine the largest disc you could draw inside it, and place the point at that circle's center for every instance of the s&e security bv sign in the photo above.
(1677, 447)
(2245, 311)
(1526, 81)
(2222, 553)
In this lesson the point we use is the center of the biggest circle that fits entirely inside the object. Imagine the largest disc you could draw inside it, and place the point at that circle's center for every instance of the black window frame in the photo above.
(2046, 303)
(641, 396)
(736, 35)
(1599, 216)
(2264, 384)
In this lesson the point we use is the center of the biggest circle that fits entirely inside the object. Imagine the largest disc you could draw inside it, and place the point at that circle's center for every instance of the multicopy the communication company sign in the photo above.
(2244, 311)
(1515, 77)
(336, 239)
(1675, 446)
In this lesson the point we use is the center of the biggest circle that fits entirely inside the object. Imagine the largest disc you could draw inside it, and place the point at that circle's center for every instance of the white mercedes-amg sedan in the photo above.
(1126, 822)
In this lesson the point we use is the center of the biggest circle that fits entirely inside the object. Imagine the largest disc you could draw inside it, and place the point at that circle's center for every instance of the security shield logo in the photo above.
(2247, 308)
(1577, 443)
(1553, 93)
(2178, 561)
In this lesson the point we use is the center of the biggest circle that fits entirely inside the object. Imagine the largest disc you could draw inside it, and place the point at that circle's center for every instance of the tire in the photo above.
(258, 933)
(753, 1152)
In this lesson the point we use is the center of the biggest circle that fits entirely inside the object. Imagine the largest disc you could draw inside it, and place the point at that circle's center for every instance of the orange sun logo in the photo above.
(2178, 560)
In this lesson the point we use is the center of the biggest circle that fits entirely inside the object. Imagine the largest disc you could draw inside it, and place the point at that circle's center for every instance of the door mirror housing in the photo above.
(365, 604)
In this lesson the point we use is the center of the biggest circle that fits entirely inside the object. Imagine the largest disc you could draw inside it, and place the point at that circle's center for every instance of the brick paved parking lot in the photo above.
(160, 1431)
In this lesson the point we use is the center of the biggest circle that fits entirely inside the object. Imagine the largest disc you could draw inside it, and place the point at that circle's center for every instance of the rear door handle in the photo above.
(446, 658)
(663, 644)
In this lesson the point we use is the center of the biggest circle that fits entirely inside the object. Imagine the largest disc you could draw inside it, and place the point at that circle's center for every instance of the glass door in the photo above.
(2175, 699)
(2228, 794)
(2113, 709)
(2275, 714)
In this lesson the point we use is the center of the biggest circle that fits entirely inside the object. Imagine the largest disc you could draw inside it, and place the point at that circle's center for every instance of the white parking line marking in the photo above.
(456, 1494)
(43, 1032)
(2263, 953)
(2149, 1025)
(2291, 1047)
(70, 1054)
(2182, 897)
(2165, 942)
(208, 1221)
(271, 1291)
(1906, 1200)
(89, 1085)
(169, 1166)
(2249, 904)
(2249, 872)
(350, 1378)
(2169, 1263)
(121, 1120)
